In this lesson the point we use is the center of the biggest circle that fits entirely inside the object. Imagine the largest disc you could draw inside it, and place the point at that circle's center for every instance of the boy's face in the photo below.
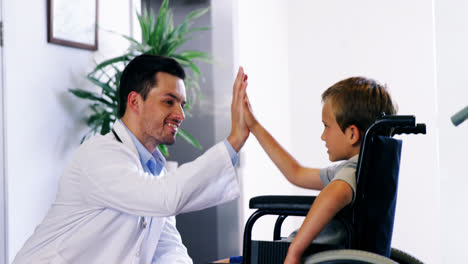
(336, 141)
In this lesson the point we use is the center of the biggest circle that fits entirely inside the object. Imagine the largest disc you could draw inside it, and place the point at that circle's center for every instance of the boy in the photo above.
(349, 108)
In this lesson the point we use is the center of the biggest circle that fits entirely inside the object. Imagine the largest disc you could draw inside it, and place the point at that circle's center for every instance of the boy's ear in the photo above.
(353, 134)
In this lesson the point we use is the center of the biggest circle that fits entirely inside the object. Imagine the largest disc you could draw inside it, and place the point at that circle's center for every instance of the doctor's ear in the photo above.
(134, 102)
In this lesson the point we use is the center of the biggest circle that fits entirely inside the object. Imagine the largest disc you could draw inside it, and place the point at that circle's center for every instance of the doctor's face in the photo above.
(163, 110)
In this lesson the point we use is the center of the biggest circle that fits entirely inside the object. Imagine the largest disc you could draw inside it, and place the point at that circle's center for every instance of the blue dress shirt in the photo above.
(154, 162)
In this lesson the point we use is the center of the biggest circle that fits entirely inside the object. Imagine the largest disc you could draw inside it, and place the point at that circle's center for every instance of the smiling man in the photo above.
(116, 203)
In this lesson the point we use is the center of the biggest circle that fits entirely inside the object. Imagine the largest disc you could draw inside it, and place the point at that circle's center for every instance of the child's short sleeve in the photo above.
(327, 174)
(345, 171)
(348, 174)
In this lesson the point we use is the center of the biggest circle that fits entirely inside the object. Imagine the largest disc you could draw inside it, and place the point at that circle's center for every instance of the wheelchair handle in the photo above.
(418, 129)
(396, 121)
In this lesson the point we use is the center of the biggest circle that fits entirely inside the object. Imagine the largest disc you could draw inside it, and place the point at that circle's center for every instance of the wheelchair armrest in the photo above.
(285, 202)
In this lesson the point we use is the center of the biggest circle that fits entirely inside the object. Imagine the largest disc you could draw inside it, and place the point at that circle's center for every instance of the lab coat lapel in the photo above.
(157, 223)
(125, 137)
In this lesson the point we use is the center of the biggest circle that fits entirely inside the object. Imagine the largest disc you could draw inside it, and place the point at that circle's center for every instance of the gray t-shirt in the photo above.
(345, 171)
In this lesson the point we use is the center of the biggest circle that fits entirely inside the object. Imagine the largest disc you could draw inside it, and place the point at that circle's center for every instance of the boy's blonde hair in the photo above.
(359, 101)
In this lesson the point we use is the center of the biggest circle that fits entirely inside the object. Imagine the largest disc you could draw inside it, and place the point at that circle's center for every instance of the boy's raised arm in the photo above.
(289, 167)
(328, 203)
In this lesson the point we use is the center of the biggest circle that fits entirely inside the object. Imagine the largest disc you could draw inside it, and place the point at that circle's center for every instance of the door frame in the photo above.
(3, 174)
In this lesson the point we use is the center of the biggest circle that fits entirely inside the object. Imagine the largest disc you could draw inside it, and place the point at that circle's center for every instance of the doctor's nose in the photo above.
(179, 113)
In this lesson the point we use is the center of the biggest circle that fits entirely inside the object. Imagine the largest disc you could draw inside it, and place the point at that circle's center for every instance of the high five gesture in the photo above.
(239, 130)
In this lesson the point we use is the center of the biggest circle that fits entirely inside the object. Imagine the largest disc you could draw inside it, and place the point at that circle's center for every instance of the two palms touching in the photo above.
(242, 114)
(239, 130)
(242, 118)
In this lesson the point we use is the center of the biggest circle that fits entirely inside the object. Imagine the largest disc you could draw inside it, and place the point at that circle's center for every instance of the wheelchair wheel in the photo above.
(403, 257)
(347, 256)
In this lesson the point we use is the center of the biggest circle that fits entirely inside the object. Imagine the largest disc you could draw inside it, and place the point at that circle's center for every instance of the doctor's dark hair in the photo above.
(140, 76)
(359, 101)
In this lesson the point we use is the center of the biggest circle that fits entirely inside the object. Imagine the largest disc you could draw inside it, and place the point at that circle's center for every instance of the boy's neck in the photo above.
(353, 152)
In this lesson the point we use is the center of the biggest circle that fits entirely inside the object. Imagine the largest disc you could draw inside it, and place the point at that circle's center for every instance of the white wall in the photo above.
(294, 50)
(452, 54)
(264, 50)
(43, 122)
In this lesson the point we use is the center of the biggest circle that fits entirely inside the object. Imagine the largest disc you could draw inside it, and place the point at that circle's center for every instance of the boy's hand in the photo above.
(239, 130)
(249, 117)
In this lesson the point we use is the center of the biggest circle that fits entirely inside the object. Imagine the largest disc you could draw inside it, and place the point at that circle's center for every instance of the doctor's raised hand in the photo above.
(239, 130)
(116, 202)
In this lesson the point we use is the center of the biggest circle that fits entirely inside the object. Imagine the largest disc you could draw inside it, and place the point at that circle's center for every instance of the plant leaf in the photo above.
(197, 13)
(192, 54)
(198, 29)
(109, 91)
(132, 40)
(164, 150)
(105, 126)
(90, 96)
(189, 138)
(109, 62)
(143, 26)
(161, 21)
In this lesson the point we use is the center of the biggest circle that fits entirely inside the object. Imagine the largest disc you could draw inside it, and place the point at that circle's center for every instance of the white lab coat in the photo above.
(106, 203)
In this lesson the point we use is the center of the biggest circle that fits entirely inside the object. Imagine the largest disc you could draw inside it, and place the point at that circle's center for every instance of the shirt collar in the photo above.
(145, 156)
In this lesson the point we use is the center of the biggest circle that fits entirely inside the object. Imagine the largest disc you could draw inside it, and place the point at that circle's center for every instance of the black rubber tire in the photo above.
(403, 257)
(347, 256)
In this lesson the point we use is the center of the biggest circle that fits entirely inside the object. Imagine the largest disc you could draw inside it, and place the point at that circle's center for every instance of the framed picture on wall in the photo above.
(73, 23)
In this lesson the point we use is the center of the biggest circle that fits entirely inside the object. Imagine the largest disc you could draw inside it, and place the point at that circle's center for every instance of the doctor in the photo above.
(116, 203)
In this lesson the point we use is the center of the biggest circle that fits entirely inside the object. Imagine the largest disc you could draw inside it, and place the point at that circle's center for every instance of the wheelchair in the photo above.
(359, 233)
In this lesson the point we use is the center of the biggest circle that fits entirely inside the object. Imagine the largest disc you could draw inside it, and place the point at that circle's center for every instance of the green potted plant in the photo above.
(159, 37)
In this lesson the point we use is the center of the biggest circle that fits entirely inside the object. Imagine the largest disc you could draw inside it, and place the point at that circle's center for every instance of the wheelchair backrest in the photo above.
(373, 211)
